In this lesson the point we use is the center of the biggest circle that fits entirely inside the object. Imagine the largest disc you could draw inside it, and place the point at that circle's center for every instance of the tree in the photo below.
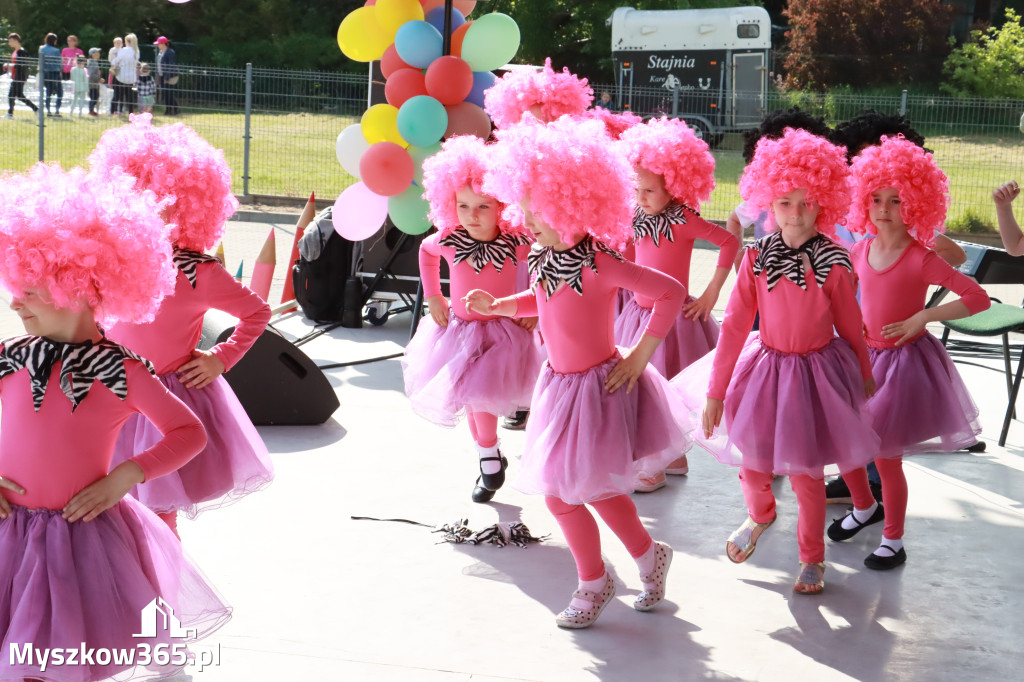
(865, 42)
(990, 64)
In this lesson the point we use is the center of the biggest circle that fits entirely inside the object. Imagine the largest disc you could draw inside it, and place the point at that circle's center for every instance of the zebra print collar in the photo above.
(186, 261)
(658, 226)
(81, 364)
(779, 260)
(551, 268)
(478, 253)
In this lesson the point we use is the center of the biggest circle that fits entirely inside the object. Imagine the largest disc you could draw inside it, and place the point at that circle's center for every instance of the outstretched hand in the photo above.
(201, 370)
(5, 506)
(97, 498)
(1005, 193)
(482, 303)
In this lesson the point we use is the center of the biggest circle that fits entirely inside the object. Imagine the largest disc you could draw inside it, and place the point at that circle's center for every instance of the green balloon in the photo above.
(490, 42)
(408, 210)
(419, 155)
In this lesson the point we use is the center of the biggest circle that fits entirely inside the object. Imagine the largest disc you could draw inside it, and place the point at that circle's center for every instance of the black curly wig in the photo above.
(775, 123)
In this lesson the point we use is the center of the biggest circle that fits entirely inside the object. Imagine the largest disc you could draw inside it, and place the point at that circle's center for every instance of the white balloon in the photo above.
(350, 147)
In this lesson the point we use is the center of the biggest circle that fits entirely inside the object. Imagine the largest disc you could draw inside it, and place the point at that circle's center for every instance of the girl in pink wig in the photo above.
(79, 560)
(921, 403)
(193, 182)
(461, 362)
(788, 401)
(599, 415)
(546, 94)
(675, 172)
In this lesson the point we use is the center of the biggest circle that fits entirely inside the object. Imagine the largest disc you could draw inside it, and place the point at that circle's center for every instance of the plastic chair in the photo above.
(999, 320)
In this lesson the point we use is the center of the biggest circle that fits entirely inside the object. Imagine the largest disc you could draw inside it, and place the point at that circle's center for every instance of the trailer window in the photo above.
(748, 31)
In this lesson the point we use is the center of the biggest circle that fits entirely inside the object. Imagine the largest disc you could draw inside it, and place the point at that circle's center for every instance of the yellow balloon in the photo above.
(391, 14)
(361, 37)
(380, 124)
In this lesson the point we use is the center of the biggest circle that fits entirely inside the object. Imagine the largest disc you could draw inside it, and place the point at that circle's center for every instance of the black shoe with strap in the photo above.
(837, 533)
(488, 484)
(884, 563)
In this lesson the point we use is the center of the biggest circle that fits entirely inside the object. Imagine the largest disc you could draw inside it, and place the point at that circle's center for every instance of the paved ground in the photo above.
(320, 596)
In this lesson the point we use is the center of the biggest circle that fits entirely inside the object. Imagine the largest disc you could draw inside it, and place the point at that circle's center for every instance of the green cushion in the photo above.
(998, 319)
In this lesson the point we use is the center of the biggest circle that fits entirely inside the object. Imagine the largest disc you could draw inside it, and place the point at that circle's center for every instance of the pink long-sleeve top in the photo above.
(56, 452)
(463, 277)
(793, 320)
(579, 330)
(168, 340)
(899, 291)
(673, 257)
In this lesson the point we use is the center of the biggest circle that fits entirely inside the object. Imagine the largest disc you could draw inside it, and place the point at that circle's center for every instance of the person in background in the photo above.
(1009, 230)
(49, 67)
(18, 68)
(167, 75)
(146, 88)
(111, 55)
(69, 57)
(80, 85)
(92, 69)
(126, 63)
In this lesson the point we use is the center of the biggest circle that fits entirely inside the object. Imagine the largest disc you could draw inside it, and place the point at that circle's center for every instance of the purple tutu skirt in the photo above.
(686, 342)
(584, 444)
(73, 585)
(234, 463)
(488, 366)
(622, 299)
(920, 404)
(787, 413)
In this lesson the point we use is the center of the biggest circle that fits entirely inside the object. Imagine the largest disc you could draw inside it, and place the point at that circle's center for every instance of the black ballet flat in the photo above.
(885, 563)
(482, 494)
(493, 481)
(837, 533)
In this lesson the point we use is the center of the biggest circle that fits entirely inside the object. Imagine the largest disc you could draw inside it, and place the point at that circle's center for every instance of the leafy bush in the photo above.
(990, 64)
(970, 222)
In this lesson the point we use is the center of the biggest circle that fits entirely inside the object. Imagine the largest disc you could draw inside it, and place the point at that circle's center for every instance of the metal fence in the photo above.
(278, 130)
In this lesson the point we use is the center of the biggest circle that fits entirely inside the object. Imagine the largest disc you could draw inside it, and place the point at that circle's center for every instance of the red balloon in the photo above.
(391, 62)
(466, 118)
(458, 35)
(449, 80)
(387, 169)
(431, 4)
(402, 85)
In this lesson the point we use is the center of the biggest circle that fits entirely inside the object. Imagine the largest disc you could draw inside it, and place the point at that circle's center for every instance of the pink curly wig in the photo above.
(669, 148)
(615, 124)
(558, 94)
(85, 239)
(186, 173)
(800, 160)
(572, 175)
(922, 186)
(461, 162)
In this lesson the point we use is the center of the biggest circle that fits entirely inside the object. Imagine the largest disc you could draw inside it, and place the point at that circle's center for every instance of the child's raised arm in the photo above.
(1009, 230)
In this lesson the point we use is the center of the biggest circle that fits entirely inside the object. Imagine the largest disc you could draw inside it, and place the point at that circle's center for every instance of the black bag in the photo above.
(320, 282)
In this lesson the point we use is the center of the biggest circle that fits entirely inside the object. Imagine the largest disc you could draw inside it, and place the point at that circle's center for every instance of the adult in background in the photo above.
(126, 64)
(69, 57)
(50, 70)
(111, 54)
(18, 68)
(167, 75)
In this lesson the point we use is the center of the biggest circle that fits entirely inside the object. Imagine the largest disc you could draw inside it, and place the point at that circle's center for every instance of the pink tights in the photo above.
(580, 531)
(810, 499)
(894, 493)
(484, 428)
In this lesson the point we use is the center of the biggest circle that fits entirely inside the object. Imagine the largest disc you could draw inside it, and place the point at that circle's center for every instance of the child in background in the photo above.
(599, 416)
(921, 404)
(788, 400)
(146, 88)
(1009, 230)
(193, 181)
(92, 69)
(545, 94)
(79, 561)
(675, 172)
(461, 362)
(80, 83)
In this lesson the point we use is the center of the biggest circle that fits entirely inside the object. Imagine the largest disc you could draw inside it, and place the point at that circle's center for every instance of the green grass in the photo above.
(293, 154)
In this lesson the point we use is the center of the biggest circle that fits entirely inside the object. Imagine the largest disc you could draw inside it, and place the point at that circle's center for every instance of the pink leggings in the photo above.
(894, 493)
(580, 531)
(810, 499)
(484, 428)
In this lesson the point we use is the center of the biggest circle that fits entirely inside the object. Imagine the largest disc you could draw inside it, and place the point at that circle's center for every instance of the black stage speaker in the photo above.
(275, 381)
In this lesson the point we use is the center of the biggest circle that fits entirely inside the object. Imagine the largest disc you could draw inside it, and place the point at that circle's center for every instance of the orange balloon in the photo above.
(457, 37)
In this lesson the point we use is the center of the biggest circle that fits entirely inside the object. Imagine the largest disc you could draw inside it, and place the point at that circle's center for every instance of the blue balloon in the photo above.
(422, 121)
(418, 43)
(481, 81)
(435, 18)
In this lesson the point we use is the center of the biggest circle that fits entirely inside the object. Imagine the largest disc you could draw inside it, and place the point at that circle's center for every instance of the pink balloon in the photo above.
(404, 84)
(449, 80)
(431, 4)
(465, 6)
(466, 118)
(391, 62)
(387, 169)
(359, 213)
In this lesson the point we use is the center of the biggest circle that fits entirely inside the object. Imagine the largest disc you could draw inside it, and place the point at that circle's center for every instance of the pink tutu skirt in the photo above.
(73, 585)
(234, 463)
(787, 413)
(686, 342)
(488, 366)
(584, 444)
(920, 404)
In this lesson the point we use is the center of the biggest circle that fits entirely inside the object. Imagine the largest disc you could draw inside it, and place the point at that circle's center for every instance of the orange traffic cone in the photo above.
(263, 270)
(308, 213)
